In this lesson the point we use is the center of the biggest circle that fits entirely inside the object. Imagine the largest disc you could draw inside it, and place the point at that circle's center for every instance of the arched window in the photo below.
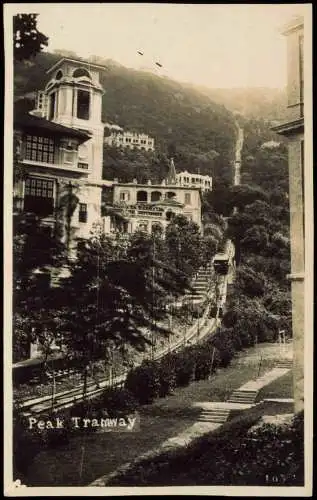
(80, 72)
(141, 196)
(156, 196)
(169, 215)
(59, 75)
(170, 195)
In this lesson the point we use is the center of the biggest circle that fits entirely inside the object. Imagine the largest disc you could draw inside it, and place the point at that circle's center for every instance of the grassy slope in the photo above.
(163, 419)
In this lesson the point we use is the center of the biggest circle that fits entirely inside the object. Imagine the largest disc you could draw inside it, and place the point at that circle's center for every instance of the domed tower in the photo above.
(73, 97)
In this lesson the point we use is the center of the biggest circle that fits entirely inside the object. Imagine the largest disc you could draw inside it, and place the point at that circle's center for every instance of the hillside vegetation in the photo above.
(199, 133)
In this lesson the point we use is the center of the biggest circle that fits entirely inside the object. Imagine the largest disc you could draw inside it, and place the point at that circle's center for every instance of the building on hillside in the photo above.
(270, 145)
(293, 130)
(150, 206)
(59, 146)
(187, 179)
(131, 140)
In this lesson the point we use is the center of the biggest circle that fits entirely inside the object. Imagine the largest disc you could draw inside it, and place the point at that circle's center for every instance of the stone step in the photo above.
(243, 396)
(285, 364)
(213, 418)
(241, 401)
(244, 393)
(213, 411)
(215, 415)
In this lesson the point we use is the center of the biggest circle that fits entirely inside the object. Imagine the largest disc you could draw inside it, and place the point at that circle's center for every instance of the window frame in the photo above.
(83, 214)
(41, 186)
(79, 114)
(40, 148)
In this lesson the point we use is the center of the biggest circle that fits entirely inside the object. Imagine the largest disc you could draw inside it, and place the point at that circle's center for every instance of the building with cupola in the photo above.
(59, 150)
(59, 147)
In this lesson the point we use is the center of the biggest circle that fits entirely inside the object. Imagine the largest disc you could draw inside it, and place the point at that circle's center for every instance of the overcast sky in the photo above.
(214, 45)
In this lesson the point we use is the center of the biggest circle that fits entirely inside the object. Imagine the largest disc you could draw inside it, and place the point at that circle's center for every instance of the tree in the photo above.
(249, 283)
(111, 298)
(243, 195)
(36, 250)
(255, 239)
(218, 200)
(238, 224)
(184, 243)
(67, 205)
(27, 39)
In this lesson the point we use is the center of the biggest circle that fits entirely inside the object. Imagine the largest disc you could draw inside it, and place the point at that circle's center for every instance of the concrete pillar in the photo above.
(297, 265)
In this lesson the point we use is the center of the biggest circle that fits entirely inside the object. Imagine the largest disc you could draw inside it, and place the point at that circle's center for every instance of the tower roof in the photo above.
(76, 62)
(171, 176)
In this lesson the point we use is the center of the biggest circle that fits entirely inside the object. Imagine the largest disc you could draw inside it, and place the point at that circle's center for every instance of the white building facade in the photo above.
(61, 146)
(188, 179)
(131, 140)
(148, 206)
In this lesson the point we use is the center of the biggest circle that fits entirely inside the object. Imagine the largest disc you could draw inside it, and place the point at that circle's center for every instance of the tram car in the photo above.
(221, 263)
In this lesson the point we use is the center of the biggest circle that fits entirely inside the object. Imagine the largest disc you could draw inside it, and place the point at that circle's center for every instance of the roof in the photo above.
(289, 128)
(221, 256)
(75, 61)
(25, 120)
(170, 187)
(294, 24)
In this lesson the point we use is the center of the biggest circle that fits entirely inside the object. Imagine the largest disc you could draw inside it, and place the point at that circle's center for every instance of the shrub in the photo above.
(222, 340)
(143, 382)
(204, 358)
(118, 402)
(185, 367)
(167, 375)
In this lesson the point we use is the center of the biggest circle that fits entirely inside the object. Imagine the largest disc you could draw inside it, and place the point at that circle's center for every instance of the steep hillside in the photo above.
(264, 103)
(198, 132)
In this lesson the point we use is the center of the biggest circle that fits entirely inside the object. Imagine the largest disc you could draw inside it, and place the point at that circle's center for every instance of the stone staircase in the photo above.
(214, 415)
(285, 363)
(243, 397)
(200, 284)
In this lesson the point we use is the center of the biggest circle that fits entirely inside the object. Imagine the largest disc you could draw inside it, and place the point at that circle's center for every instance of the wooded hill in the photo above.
(199, 133)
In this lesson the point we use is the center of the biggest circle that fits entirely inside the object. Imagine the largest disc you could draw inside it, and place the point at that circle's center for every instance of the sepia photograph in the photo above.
(158, 263)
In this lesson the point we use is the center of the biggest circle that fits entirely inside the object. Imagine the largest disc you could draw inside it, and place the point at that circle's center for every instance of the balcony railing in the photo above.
(142, 209)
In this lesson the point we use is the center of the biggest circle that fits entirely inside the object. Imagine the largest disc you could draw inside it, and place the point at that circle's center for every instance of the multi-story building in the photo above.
(293, 129)
(60, 147)
(131, 140)
(149, 206)
(187, 179)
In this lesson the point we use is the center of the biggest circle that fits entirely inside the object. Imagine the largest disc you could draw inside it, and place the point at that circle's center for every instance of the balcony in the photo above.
(140, 209)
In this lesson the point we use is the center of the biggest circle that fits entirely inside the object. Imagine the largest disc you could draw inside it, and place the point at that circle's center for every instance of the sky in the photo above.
(216, 45)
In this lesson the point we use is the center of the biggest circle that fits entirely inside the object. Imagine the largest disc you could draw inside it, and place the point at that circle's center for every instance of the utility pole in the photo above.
(153, 300)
